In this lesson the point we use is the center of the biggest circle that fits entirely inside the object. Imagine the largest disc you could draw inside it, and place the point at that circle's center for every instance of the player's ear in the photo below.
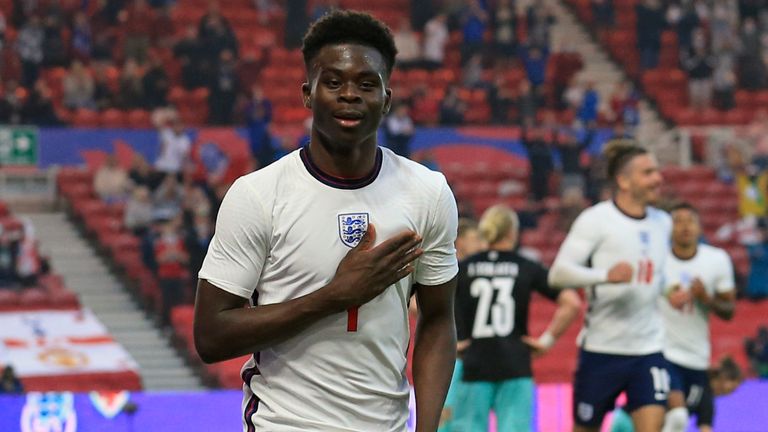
(387, 100)
(306, 92)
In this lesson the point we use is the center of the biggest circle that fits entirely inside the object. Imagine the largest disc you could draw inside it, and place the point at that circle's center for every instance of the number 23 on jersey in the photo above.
(495, 304)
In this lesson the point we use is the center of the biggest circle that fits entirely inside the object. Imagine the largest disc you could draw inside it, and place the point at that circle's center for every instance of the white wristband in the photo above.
(547, 339)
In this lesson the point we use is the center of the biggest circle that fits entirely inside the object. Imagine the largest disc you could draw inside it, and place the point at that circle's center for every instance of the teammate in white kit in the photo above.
(616, 249)
(699, 280)
(327, 244)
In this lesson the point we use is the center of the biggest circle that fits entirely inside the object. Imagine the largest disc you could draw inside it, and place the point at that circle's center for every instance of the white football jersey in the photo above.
(621, 318)
(687, 331)
(280, 234)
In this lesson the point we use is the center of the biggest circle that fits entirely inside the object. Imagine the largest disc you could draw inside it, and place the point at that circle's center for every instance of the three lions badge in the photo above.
(352, 227)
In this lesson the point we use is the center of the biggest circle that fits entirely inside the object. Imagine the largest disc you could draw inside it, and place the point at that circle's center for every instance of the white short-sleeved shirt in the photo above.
(281, 233)
(687, 331)
(174, 150)
(621, 319)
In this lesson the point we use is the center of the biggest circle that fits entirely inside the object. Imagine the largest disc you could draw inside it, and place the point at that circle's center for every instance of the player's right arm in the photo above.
(570, 267)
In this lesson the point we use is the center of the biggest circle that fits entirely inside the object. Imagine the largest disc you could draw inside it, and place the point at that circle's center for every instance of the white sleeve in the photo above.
(240, 244)
(438, 264)
(725, 282)
(570, 267)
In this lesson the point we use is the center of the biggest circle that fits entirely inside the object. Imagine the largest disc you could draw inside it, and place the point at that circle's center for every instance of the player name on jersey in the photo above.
(491, 269)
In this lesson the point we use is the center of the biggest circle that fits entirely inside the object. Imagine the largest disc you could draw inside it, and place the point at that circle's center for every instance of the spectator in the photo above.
(527, 102)
(155, 84)
(38, 109)
(757, 352)
(223, 90)
(699, 63)
(590, 103)
(473, 72)
(137, 216)
(540, 158)
(650, 24)
(2, 35)
(435, 39)
(54, 51)
(684, 19)
(602, 11)
(540, 20)
(625, 105)
(189, 52)
(172, 258)
(757, 285)
(258, 115)
(82, 37)
(6, 109)
(216, 36)
(535, 62)
(11, 102)
(29, 45)
(78, 87)
(408, 47)
(452, 108)
(137, 21)
(199, 231)
(753, 75)
(500, 97)
(168, 198)
(505, 25)
(103, 96)
(131, 94)
(474, 22)
(111, 182)
(571, 152)
(164, 26)
(10, 383)
(175, 146)
(724, 84)
(141, 173)
(399, 130)
(28, 260)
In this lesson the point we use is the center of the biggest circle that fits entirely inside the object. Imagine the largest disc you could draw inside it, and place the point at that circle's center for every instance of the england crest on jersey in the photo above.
(352, 226)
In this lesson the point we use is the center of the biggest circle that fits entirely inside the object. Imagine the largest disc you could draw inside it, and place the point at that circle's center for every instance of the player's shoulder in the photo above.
(597, 213)
(658, 215)
(265, 181)
(413, 172)
(713, 252)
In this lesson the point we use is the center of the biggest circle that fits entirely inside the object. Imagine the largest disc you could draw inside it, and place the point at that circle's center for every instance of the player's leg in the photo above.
(471, 411)
(648, 418)
(705, 409)
(647, 392)
(452, 398)
(676, 419)
(599, 380)
(514, 405)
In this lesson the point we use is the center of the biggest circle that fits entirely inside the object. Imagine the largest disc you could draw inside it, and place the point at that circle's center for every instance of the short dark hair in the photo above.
(340, 27)
(466, 225)
(683, 205)
(618, 153)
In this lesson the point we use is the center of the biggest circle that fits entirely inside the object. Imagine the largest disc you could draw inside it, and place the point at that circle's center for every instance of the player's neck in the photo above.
(349, 162)
(684, 252)
(629, 206)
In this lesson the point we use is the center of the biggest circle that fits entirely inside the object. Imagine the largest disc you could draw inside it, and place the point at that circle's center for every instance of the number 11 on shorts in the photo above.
(352, 319)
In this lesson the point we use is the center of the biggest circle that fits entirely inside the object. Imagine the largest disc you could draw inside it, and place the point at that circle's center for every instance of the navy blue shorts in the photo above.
(600, 379)
(693, 383)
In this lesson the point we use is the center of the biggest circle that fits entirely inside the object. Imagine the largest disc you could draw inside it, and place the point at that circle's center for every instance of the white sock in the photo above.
(676, 420)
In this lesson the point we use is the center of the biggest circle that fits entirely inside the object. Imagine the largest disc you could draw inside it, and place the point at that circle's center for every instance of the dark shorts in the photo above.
(694, 384)
(601, 378)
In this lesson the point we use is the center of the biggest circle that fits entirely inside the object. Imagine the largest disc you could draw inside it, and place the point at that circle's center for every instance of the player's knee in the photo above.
(676, 420)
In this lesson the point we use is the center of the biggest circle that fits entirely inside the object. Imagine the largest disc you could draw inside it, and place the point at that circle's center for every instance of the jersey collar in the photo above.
(339, 182)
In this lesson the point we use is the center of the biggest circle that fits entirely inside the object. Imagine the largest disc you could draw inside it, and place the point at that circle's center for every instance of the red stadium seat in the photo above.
(86, 118)
(33, 298)
(113, 118)
(139, 119)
